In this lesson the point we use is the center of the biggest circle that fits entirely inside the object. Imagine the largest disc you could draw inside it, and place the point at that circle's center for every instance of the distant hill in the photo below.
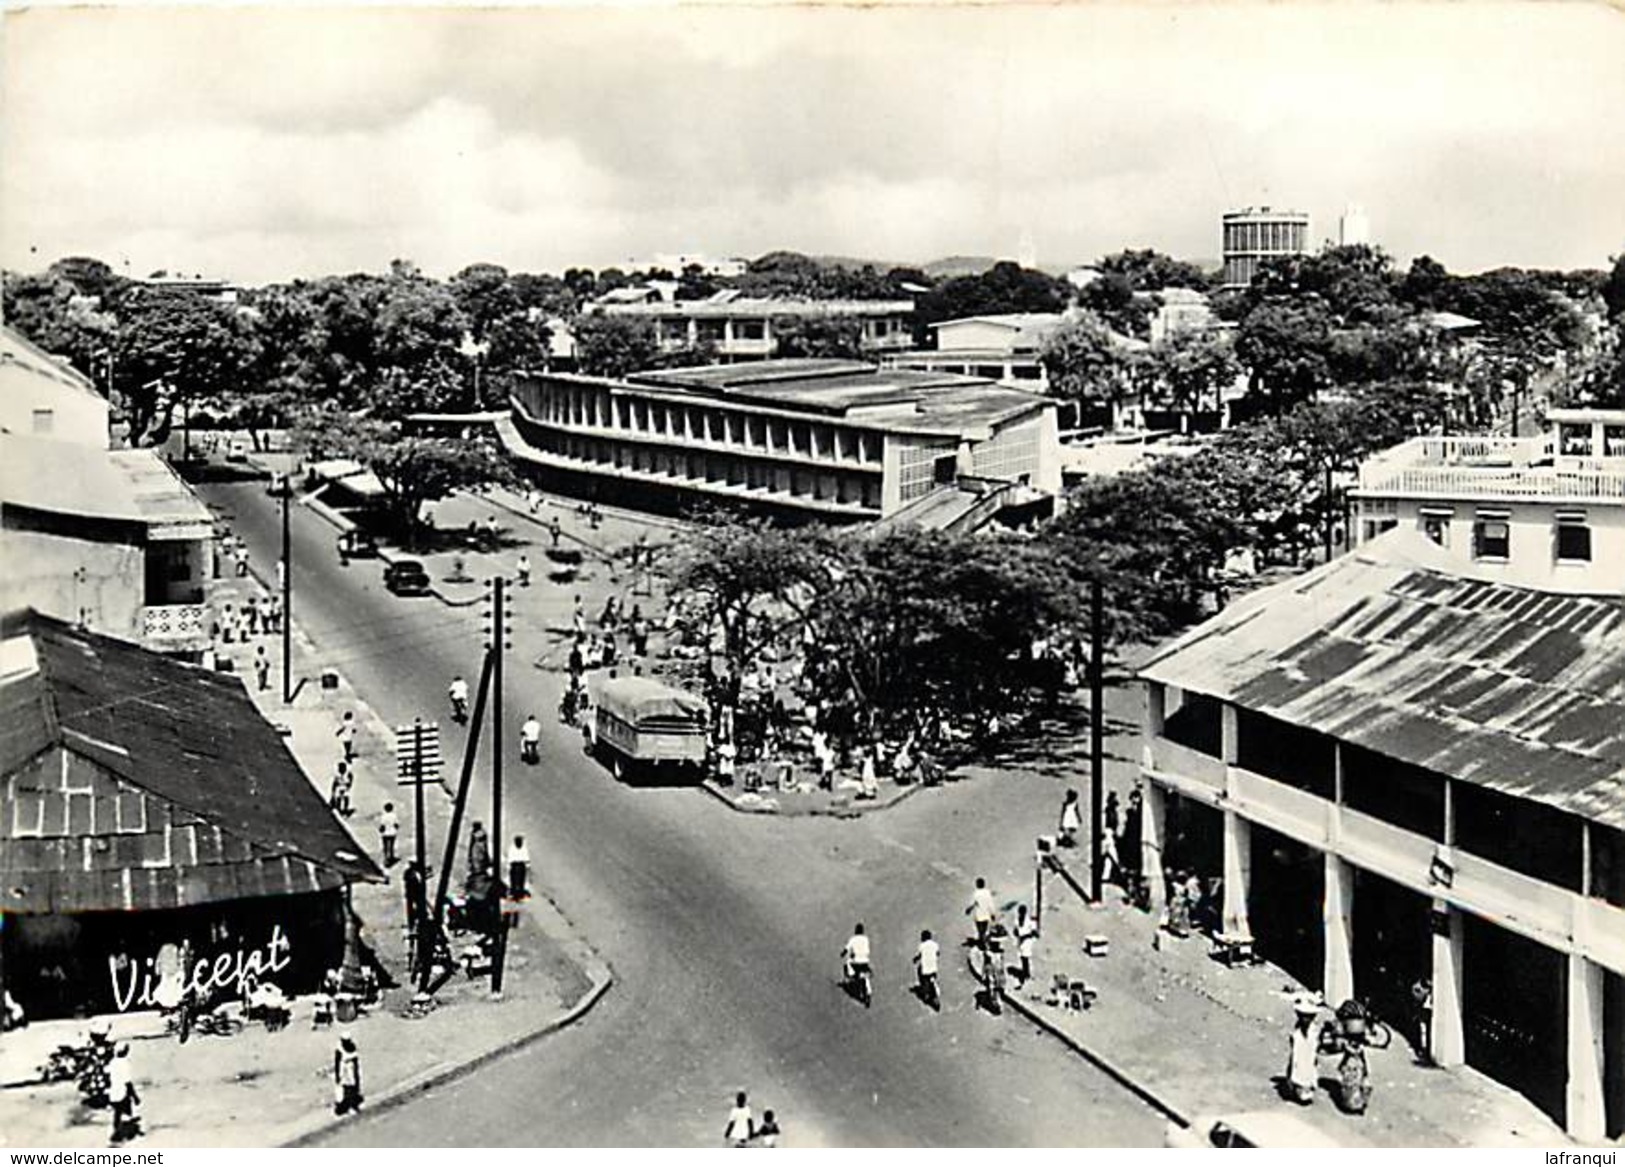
(958, 265)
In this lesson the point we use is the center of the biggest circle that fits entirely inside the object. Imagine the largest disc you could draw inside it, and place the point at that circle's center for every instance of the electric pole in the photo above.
(286, 583)
(1097, 767)
(498, 642)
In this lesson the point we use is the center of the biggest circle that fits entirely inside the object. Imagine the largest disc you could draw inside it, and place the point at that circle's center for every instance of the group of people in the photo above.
(856, 955)
(1121, 835)
(742, 1129)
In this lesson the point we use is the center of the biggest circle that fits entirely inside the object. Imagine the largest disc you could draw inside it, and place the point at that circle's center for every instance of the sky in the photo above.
(255, 144)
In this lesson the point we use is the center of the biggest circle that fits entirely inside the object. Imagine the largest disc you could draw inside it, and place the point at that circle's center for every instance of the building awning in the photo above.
(1404, 651)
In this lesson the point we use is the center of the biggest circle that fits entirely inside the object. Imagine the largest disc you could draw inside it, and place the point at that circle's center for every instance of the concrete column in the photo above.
(1153, 829)
(1156, 708)
(1585, 1107)
(1449, 1045)
(1227, 734)
(1338, 972)
(1238, 872)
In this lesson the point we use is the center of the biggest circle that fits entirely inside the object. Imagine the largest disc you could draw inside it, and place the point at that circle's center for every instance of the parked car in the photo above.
(356, 544)
(406, 577)
(237, 451)
(1258, 1128)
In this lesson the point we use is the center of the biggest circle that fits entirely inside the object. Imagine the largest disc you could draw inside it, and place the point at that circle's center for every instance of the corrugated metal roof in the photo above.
(1395, 649)
(141, 781)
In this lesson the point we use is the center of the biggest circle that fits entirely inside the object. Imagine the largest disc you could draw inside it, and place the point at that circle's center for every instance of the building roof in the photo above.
(908, 400)
(227, 811)
(16, 349)
(733, 306)
(67, 478)
(1399, 649)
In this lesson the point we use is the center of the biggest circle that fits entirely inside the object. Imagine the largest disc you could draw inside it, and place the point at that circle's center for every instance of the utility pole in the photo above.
(1328, 524)
(421, 954)
(1097, 756)
(437, 911)
(499, 637)
(286, 583)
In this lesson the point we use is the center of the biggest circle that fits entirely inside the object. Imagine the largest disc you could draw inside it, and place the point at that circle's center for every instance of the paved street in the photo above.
(723, 929)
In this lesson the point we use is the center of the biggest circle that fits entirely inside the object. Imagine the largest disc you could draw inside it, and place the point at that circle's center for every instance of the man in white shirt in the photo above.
(389, 831)
(741, 1125)
(856, 953)
(518, 868)
(982, 911)
(927, 960)
(530, 739)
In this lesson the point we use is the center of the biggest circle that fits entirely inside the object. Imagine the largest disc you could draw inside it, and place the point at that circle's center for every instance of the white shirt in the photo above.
(531, 731)
(928, 956)
(857, 950)
(982, 904)
(1069, 817)
(739, 1123)
(389, 825)
(518, 853)
(459, 690)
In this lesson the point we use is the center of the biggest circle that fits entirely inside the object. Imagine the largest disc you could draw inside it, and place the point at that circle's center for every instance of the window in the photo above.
(44, 421)
(750, 329)
(1492, 539)
(1436, 526)
(1574, 440)
(1573, 539)
(1613, 441)
(1026, 372)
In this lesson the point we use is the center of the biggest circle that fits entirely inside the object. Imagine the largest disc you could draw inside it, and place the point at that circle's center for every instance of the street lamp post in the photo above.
(285, 582)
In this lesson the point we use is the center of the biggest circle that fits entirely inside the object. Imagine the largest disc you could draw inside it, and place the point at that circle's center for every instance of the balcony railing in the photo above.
(1464, 482)
(174, 625)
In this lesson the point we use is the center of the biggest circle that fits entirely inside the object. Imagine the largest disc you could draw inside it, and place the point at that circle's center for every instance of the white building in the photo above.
(826, 439)
(742, 328)
(109, 539)
(1545, 512)
(1254, 235)
(1353, 227)
(1405, 769)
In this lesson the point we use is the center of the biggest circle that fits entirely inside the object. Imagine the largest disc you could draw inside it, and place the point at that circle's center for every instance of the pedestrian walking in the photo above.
(553, 531)
(389, 832)
(241, 555)
(1422, 995)
(1026, 932)
(492, 532)
(346, 1075)
(741, 1126)
(1111, 814)
(518, 868)
(768, 1133)
(262, 668)
(1071, 819)
(640, 634)
(346, 735)
(251, 613)
(522, 570)
(1302, 1072)
(339, 798)
(273, 614)
(867, 777)
(228, 625)
(578, 619)
(122, 1095)
(479, 853)
(982, 911)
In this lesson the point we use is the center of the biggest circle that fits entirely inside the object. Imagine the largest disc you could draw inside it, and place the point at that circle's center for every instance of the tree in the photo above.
(834, 335)
(89, 277)
(613, 346)
(1285, 345)
(413, 470)
(1005, 287)
(1086, 362)
(1147, 270)
(49, 311)
(485, 295)
(175, 346)
(918, 622)
(1355, 283)
(747, 581)
(1194, 368)
(1112, 298)
(1424, 282)
(1613, 288)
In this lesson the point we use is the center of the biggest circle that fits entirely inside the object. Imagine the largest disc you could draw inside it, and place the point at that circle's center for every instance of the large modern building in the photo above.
(1546, 512)
(998, 347)
(1256, 234)
(1406, 770)
(817, 439)
(742, 328)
